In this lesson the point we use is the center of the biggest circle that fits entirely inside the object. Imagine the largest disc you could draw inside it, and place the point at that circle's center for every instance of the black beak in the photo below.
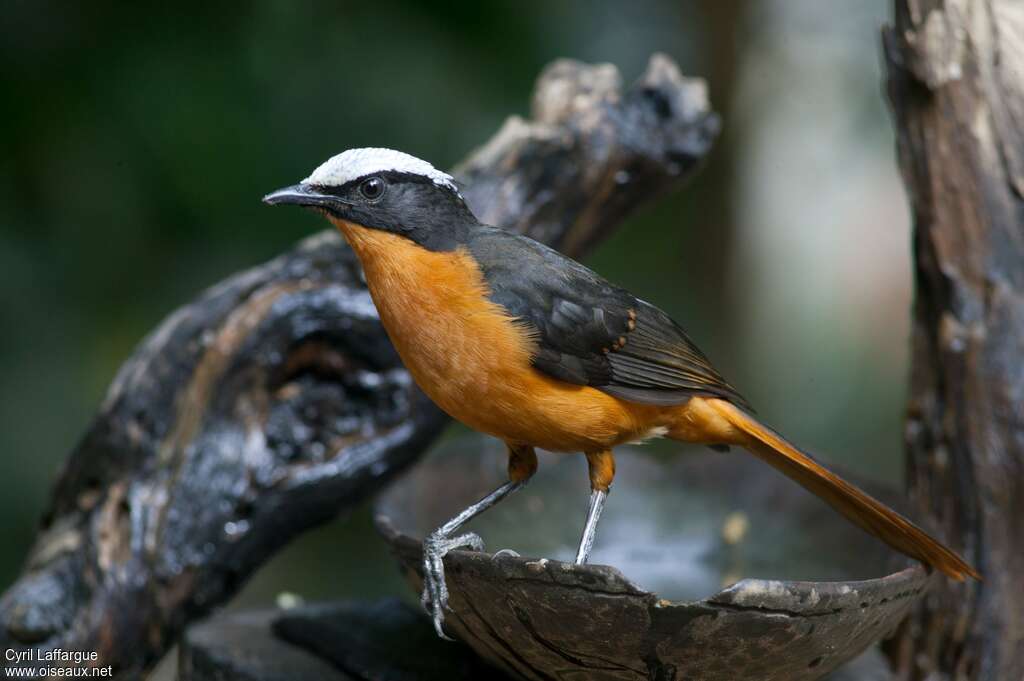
(304, 195)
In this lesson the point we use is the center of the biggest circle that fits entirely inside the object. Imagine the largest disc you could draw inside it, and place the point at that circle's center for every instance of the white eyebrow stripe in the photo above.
(355, 163)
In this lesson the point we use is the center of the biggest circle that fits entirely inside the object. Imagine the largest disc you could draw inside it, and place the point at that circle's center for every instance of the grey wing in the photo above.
(590, 332)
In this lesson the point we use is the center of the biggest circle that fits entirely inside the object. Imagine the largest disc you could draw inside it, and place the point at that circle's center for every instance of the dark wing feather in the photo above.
(659, 364)
(590, 332)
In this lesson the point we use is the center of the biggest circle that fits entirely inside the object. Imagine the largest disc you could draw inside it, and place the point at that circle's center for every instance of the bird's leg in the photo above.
(602, 472)
(439, 542)
(522, 464)
(597, 498)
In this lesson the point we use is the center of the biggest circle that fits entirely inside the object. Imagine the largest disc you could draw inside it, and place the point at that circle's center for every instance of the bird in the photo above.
(522, 343)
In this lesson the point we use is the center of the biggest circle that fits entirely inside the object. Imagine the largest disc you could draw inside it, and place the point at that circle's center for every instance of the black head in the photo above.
(386, 190)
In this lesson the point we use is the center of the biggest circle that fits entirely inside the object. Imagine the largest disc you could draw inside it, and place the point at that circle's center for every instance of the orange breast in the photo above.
(474, 360)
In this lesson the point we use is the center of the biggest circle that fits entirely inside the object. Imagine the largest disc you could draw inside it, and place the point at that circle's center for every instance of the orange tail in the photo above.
(868, 513)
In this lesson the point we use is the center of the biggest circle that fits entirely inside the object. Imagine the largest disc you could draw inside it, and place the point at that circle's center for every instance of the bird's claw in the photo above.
(435, 591)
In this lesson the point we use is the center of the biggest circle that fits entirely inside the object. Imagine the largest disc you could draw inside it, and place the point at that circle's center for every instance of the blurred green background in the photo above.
(139, 138)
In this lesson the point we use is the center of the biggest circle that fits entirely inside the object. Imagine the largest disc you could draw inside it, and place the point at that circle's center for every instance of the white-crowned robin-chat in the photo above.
(518, 341)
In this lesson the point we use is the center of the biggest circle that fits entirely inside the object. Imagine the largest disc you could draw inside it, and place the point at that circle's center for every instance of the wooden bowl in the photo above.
(804, 591)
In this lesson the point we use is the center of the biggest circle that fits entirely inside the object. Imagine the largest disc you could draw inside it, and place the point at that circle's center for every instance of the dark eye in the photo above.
(372, 188)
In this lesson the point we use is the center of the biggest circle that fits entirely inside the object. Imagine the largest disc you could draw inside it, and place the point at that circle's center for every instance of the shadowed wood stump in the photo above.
(354, 640)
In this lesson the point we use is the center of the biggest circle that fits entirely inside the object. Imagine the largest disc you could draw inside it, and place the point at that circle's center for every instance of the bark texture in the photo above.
(381, 640)
(956, 86)
(274, 400)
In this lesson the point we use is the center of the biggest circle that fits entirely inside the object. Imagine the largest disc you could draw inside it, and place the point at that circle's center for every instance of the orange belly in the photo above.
(474, 360)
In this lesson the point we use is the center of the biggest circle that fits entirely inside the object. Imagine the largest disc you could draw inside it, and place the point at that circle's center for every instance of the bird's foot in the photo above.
(435, 591)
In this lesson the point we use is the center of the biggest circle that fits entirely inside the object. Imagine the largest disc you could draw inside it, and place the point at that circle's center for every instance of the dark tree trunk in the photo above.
(956, 85)
(274, 400)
